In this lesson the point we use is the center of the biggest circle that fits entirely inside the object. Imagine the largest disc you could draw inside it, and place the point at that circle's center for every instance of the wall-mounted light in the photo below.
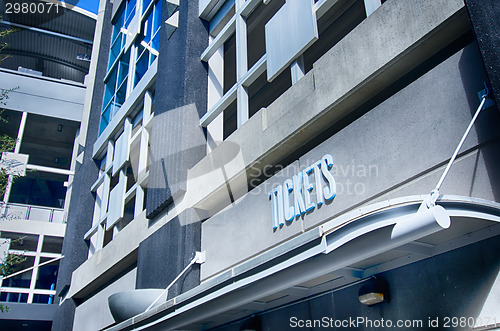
(56, 160)
(59, 128)
(373, 292)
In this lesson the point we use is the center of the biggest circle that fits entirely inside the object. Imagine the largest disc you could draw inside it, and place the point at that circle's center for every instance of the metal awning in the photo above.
(326, 258)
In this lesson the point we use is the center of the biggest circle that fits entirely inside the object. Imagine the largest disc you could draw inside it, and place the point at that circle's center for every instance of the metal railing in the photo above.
(33, 213)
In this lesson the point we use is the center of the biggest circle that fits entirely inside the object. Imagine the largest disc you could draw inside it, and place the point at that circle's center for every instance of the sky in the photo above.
(89, 5)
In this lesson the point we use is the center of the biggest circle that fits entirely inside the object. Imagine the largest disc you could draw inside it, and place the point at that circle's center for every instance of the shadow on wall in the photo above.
(473, 78)
(177, 145)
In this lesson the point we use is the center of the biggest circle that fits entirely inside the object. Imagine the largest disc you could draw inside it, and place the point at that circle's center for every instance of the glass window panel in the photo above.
(22, 280)
(123, 68)
(156, 41)
(115, 50)
(21, 241)
(114, 108)
(105, 117)
(157, 16)
(130, 12)
(52, 244)
(110, 87)
(119, 17)
(153, 58)
(47, 275)
(40, 189)
(118, 23)
(141, 67)
(145, 5)
(14, 297)
(147, 28)
(120, 97)
(43, 298)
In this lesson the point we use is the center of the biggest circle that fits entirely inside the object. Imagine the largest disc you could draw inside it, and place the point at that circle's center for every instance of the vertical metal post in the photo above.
(241, 66)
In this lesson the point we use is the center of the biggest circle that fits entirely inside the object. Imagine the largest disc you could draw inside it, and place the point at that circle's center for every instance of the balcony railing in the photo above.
(33, 213)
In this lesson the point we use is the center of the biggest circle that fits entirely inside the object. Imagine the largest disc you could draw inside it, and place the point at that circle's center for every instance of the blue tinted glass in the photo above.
(116, 31)
(130, 12)
(104, 119)
(147, 28)
(41, 298)
(120, 96)
(123, 71)
(141, 67)
(145, 4)
(118, 22)
(110, 88)
(115, 50)
(157, 15)
(156, 41)
(153, 58)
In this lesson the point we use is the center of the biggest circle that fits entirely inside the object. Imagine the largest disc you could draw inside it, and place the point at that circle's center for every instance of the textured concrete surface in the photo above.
(79, 219)
(402, 144)
(484, 16)
(353, 71)
(180, 102)
(164, 254)
(97, 306)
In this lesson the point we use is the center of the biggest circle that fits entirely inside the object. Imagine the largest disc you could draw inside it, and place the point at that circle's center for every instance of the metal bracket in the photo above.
(200, 257)
(486, 93)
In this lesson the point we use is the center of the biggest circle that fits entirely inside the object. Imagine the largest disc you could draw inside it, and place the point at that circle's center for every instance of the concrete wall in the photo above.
(397, 148)
(484, 19)
(368, 60)
(94, 314)
(454, 284)
(177, 142)
(164, 254)
(79, 218)
(43, 96)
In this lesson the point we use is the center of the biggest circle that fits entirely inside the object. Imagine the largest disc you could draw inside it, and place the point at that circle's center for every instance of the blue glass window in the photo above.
(147, 48)
(118, 65)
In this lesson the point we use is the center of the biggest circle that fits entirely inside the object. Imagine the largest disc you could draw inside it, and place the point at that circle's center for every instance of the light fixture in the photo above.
(431, 217)
(373, 292)
(59, 128)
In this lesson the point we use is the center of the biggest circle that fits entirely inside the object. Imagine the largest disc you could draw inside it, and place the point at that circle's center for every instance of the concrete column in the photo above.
(177, 140)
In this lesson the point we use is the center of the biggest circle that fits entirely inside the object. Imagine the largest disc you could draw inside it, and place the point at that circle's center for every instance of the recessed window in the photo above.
(256, 35)
(229, 63)
(148, 44)
(47, 274)
(21, 241)
(52, 244)
(22, 280)
(14, 297)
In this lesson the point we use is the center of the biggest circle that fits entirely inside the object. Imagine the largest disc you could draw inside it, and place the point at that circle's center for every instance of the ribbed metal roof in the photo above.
(49, 43)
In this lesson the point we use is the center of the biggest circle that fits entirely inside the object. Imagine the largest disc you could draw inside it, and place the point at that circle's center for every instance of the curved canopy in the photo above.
(343, 251)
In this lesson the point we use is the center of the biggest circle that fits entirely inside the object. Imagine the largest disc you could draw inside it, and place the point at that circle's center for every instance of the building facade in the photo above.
(44, 71)
(273, 165)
